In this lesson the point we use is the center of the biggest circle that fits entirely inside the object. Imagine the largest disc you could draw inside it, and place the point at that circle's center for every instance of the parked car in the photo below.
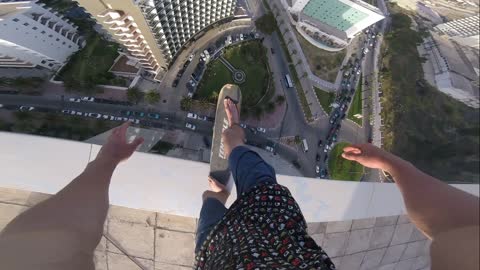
(190, 126)
(26, 108)
(175, 82)
(272, 50)
(94, 115)
(190, 58)
(76, 113)
(88, 99)
(317, 169)
(243, 125)
(269, 149)
(192, 115)
(203, 118)
(135, 121)
(153, 115)
(320, 143)
(63, 111)
(260, 129)
(74, 100)
(323, 173)
(317, 158)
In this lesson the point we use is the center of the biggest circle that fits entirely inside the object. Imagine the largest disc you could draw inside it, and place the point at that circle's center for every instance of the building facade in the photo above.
(464, 31)
(154, 31)
(34, 35)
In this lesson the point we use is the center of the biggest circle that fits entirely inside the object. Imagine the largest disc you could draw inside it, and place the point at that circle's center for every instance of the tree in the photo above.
(298, 140)
(266, 23)
(152, 97)
(270, 107)
(214, 96)
(280, 99)
(290, 40)
(134, 95)
(305, 74)
(294, 51)
(186, 103)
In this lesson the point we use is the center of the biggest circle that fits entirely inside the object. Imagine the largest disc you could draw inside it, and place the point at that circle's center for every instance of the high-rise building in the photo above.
(333, 23)
(33, 35)
(464, 31)
(154, 31)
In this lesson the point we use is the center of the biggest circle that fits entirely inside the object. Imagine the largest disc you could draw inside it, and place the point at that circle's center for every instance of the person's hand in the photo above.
(117, 148)
(368, 155)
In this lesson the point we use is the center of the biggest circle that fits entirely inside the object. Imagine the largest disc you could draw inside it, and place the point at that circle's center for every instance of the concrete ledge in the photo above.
(174, 186)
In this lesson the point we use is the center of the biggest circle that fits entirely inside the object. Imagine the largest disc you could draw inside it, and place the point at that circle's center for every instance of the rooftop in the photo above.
(334, 13)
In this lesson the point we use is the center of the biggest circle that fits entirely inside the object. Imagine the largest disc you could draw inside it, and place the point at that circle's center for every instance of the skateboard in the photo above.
(218, 161)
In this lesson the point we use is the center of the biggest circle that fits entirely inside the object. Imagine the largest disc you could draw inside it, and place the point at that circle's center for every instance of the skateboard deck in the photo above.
(218, 161)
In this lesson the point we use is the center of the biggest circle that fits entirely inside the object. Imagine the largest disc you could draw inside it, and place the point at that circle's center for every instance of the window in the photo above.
(50, 65)
(43, 62)
(16, 20)
(43, 32)
(34, 28)
(26, 24)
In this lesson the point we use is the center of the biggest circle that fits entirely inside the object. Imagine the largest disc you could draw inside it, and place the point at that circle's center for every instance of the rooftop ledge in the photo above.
(174, 186)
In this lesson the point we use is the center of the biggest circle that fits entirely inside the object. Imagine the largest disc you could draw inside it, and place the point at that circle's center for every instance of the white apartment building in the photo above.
(33, 35)
(154, 31)
(464, 31)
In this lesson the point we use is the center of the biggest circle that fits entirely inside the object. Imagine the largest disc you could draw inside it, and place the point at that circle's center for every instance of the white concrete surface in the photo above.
(174, 186)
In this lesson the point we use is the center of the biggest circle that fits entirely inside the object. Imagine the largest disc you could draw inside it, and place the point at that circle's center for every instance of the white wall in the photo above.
(31, 44)
(170, 185)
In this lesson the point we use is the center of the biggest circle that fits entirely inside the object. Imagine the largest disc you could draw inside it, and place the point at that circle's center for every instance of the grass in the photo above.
(300, 92)
(356, 106)
(438, 134)
(325, 98)
(162, 148)
(342, 169)
(249, 57)
(89, 66)
(324, 64)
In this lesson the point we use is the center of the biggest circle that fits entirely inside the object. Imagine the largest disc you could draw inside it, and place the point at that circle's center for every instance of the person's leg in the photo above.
(212, 211)
(247, 167)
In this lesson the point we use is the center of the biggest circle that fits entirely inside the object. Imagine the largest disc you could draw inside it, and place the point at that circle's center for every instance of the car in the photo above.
(192, 83)
(76, 113)
(190, 126)
(272, 50)
(325, 158)
(63, 111)
(206, 141)
(135, 121)
(94, 115)
(320, 142)
(88, 99)
(153, 115)
(241, 37)
(26, 108)
(243, 125)
(112, 118)
(260, 129)
(175, 82)
(334, 137)
(123, 119)
(359, 72)
(192, 115)
(269, 148)
(317, 158)
(323, 173)
(74, 100)
(339, 126)
(203, 118)
(317, 169)
(190, 58)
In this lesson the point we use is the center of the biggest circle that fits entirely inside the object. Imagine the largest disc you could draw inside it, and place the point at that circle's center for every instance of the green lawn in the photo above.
(89, 66)
(342, 169)
(325, 99)
(324, 64)
(249, 57)
(356, 106)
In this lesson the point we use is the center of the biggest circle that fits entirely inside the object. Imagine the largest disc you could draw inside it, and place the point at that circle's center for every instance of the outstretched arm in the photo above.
(433, 206)
(69, 225)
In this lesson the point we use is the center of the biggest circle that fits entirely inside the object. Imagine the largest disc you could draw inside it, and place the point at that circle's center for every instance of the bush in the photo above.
(134, 95)
(152, 97)
(280, 99)
(186, 104)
